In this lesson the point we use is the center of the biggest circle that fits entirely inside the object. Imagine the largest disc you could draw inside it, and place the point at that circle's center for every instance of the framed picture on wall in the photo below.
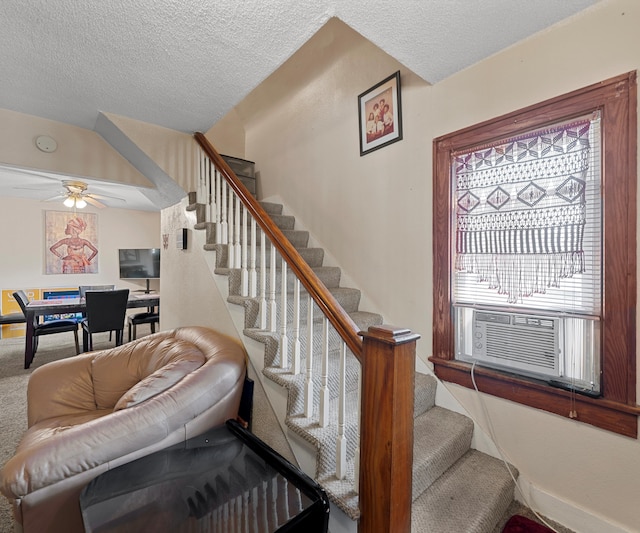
(71, 243)
(380, 114)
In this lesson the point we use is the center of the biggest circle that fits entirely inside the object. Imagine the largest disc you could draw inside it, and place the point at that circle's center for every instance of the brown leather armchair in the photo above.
(93, 412)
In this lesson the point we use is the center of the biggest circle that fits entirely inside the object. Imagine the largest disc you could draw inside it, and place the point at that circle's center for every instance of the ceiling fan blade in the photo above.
(93, 201)
(54, 198)
(30, 172)
(105, 197)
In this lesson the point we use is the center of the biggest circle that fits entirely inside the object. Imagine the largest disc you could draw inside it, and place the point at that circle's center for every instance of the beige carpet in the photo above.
(13, 387)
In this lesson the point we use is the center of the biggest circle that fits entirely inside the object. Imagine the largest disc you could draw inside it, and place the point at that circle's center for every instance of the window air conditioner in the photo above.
(523, 343)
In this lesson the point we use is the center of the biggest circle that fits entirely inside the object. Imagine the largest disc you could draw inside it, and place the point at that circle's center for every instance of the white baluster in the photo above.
(193, 176)
(324, 389)
(209, 184)
(254, 499)
(224, 223)
(232, 229)
(308, 390)
(214, 205)
(284, 340)
(200, 174)
(263, 280)
(244, 273)
(218, 199)
(273, 502)
(202, 196)
(238, 259)
(341, 440)
(296, 327)
(199, 157)
(245, 512)
(253, 275)
(273, 308)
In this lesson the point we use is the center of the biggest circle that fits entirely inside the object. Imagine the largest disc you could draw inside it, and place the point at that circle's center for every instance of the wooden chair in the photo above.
(105, 311)
(48, 327)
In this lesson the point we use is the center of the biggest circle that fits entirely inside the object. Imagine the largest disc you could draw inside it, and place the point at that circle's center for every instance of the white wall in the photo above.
(189, 295)
(373, 213)
(23, 244)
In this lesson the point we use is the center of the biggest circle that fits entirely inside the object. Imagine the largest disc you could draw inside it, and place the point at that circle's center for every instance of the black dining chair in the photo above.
(48, 327)
(150, 317)
(105, 311)
(82, 289)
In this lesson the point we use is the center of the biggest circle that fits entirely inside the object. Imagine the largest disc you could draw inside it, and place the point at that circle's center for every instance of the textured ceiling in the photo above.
(184, 64)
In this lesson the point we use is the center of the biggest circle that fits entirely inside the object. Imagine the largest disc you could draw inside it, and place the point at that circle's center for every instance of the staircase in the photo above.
(455, 489)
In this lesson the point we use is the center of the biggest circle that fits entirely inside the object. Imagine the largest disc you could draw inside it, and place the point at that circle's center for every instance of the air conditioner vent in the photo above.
(516, 341)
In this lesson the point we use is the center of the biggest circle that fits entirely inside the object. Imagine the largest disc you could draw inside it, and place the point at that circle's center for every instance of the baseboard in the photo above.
(565, 513)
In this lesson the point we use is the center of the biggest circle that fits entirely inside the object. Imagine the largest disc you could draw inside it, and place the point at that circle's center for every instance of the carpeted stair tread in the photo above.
(347, 297)
(284, 221)
(364, 319)
(441, 437)
(299, 238)
(470, 497)
(424, 393)
(272, 208)
(329, 275)
(312, 256)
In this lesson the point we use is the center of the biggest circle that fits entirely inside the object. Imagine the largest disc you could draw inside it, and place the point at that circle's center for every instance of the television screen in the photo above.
(139, 263)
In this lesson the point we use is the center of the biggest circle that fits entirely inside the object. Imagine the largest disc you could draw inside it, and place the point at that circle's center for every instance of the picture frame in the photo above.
(376, 129)
(71, 243)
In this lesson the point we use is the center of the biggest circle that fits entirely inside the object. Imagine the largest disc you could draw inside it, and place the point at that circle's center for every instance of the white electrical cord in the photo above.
(503, 456)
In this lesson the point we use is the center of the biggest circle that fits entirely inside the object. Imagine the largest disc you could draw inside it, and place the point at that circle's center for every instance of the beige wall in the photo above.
(227, 135)
(176, 152)
(23, 248)
(373, 214)
(189, 295)
(173, 151)
(80, 152)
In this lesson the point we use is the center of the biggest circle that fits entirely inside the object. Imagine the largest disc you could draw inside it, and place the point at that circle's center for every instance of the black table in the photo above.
(226, 480)
(58, 306)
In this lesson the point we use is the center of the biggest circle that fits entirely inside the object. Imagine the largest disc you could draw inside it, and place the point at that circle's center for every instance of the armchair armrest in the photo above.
(60, 388)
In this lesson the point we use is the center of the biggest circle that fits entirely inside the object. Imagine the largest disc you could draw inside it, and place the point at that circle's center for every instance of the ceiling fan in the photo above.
(75, 195)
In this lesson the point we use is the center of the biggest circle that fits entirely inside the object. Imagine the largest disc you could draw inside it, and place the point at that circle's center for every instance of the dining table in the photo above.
(60, 306)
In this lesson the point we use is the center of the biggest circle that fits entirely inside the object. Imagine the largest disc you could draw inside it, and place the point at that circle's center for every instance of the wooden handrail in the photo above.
(327, 303)
(387, 356)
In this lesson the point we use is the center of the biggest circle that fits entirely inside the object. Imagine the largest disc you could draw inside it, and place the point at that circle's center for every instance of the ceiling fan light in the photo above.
(80, 203)
(69, 201)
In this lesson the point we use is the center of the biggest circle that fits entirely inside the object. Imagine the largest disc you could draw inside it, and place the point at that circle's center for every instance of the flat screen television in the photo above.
(139, 263)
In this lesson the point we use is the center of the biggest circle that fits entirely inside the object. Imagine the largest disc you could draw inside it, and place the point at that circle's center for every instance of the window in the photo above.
(535, 256)
(526, 286)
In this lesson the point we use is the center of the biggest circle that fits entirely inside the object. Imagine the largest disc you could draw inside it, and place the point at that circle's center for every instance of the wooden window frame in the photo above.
(616, 409)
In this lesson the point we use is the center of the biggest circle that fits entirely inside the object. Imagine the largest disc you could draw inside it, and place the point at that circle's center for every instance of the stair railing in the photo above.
(383, 454)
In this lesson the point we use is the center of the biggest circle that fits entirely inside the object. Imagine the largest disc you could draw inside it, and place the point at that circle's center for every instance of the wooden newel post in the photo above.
(386, 429)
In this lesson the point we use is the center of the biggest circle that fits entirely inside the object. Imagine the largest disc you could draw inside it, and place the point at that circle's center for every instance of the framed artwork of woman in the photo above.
(71, 243)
